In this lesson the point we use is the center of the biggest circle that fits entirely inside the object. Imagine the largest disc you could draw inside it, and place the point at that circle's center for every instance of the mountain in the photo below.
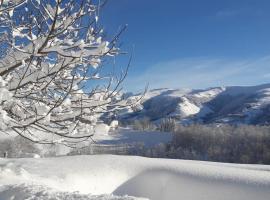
(234, 104)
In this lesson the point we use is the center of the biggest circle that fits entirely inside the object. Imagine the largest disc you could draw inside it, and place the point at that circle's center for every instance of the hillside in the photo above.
(235, 104)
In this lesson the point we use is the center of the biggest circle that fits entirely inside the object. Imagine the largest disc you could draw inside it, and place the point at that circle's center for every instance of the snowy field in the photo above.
(119, 137)
(108, 177)
(129, 136)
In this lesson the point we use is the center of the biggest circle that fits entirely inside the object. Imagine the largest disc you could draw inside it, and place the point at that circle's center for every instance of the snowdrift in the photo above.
(121, 177)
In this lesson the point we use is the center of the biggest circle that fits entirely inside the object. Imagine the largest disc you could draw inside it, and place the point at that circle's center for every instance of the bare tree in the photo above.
(51, 77)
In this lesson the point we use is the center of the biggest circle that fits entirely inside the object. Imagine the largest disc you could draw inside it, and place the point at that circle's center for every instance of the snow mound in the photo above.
(33, 192)
(157, 179)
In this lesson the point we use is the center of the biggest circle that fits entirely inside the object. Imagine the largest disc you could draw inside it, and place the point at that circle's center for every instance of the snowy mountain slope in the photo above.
(235, 104)
(241, 104)
(156, 179)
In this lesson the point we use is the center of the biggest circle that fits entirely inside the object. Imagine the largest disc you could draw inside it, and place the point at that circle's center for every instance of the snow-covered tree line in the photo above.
(52, 53)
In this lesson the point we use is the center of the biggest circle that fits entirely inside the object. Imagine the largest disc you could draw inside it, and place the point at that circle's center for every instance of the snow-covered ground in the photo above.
(117, 137)
(129, 136)
(115, 177)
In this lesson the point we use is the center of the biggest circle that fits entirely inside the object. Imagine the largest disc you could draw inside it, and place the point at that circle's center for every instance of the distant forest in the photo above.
(216, 142)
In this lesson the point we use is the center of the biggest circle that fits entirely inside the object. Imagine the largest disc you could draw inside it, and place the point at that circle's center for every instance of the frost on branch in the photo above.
(51, 76)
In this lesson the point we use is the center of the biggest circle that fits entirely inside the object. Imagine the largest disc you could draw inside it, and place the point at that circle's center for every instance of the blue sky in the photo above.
(192, 43)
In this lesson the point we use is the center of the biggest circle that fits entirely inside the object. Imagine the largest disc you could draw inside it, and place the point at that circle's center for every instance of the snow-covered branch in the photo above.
(53, 53)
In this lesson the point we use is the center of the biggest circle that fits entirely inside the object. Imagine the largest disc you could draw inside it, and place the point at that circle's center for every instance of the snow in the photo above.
(4, 93)
(218, 104)
(120, 137)
(4, 120)
(102, 129)
(22, 192)
(129, 136)
(114, 124)
(210, 93)
(104, 176)
(236, 90)
(186, 108)
(165, 91)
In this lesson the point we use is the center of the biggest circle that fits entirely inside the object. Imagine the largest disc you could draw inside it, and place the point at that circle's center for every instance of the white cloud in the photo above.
(203, 72)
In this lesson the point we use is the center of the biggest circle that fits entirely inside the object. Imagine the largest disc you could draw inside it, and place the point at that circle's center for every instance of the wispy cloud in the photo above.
(203, 72)
(239, 12)
(228, 13)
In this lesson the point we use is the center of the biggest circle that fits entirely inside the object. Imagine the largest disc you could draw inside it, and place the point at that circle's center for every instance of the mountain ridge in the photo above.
(232, 104)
